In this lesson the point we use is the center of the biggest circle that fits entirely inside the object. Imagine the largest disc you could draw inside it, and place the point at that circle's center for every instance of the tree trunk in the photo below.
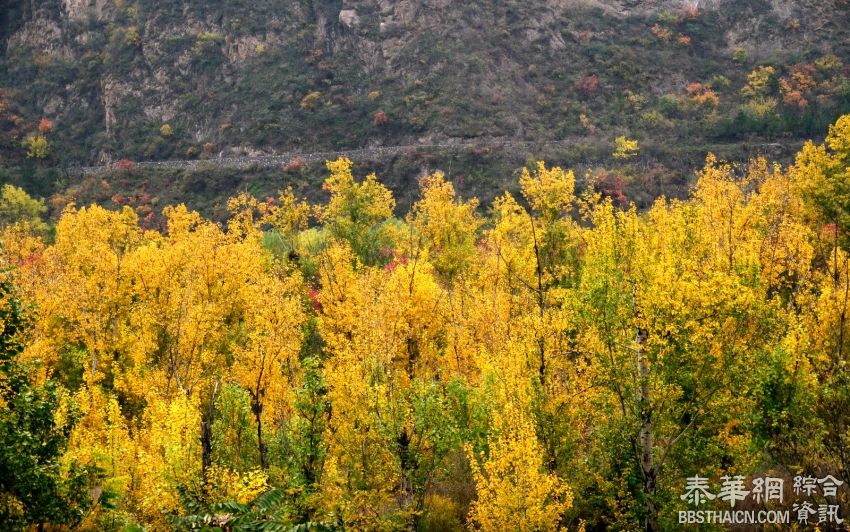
(257, 408)
(406, 460)
(206, 445)
(206, 435)
(541, 344)
(646, 441)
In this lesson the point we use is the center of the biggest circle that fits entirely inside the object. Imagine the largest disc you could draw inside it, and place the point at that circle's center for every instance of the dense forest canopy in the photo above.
(561, 360)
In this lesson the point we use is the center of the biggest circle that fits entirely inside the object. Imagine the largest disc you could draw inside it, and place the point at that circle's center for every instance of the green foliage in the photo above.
(358, 212)
(739, 55)
(826, 183)
(18, 207)
(266, 512)
(207, 39)
(720, 82)
(654, 119)
(669, 104)
(234, 434)
(34, 489)
(303, 449)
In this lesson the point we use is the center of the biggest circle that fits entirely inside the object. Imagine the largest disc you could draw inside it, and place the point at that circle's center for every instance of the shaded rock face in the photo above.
(42, 34)
(82, 9)
(349, 18)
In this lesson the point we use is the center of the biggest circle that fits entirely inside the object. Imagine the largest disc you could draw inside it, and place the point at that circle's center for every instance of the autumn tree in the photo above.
(676, 354)
(37, 146)
(267, 365)
(625, 148)
(818, 337)
(34, 488)
(447, 225)
(356, 211)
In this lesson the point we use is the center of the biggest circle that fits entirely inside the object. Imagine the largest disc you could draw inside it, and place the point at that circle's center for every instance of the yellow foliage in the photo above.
(513, 491)
(224, 484)
(354, 203)
(759, 82)
(549, 191)
(16, 206)
(447, 225)
(625, 148)
(287, 215)
(413, 371)
(37, 146)
(311, 100)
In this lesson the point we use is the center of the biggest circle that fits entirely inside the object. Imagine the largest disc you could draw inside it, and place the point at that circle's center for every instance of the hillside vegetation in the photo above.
(94, 82)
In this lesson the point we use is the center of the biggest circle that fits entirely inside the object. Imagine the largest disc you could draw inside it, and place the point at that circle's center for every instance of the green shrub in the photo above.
(739, 55)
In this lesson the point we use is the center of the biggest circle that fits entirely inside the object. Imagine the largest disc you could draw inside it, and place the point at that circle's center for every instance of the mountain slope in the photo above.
(150, 80)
